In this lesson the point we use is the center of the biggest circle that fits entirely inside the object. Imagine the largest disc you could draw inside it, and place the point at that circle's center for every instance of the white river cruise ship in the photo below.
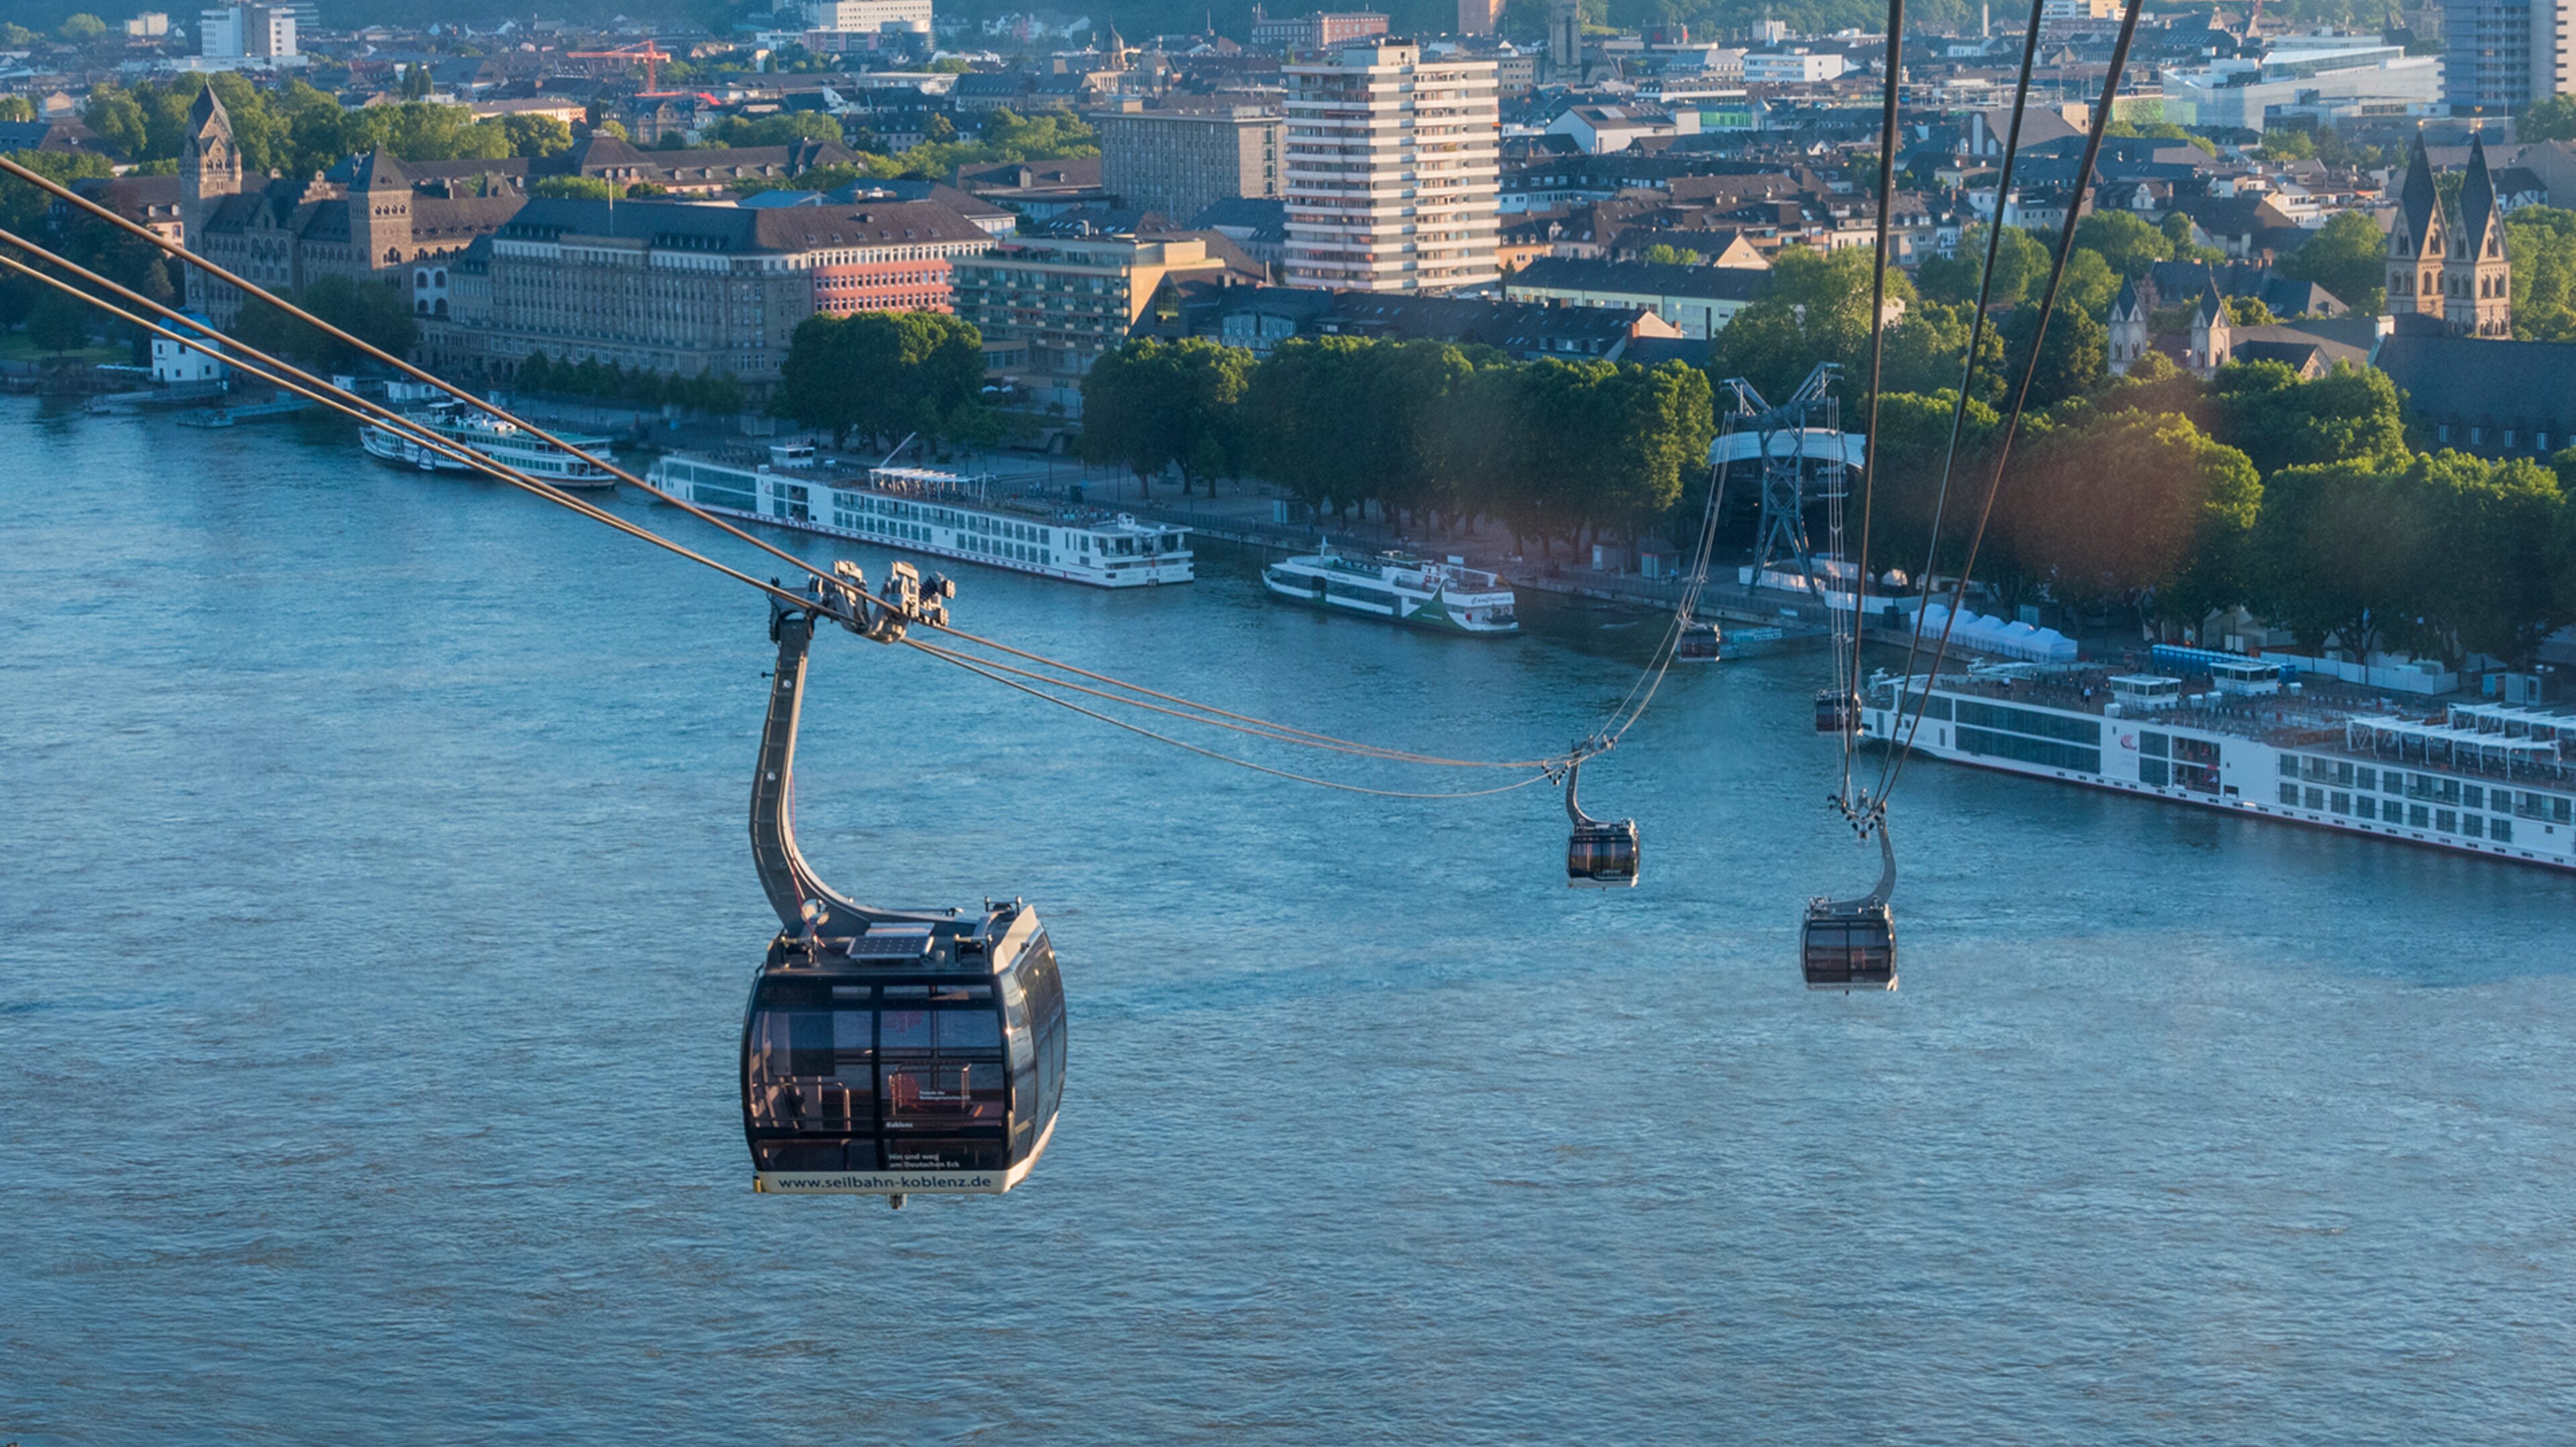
(2482, 778)
(504, 442)
(943, 514)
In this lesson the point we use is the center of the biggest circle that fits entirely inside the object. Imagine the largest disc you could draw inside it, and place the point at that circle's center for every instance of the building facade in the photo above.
(2499, 56)
(868, 17)
(1697, 300)
(246, 32)
(1180, 162)
(672, 287)
(1048, 309)
(1392, 171)
(1315, 30)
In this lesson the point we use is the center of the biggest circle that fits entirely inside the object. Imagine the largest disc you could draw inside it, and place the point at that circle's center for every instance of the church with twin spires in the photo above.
(2451, 266)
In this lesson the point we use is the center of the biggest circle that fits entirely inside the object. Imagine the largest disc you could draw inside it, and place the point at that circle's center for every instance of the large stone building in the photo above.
(673, 287)
(368, 219)
(1179, 161)
(1393, 178)
(2452, 267)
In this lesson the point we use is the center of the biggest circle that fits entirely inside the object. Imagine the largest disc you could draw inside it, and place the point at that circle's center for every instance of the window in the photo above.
(2152, 771)
(2472, 824)
(2290, 794)
(2289, 766)
(2446, 821)
(2316, 799)
(2500, 829)
(2366, 780)
(2417, 817)
(2366, 807)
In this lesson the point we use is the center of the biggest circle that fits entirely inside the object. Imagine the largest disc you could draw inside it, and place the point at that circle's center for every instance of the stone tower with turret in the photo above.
(2477, 279)
(2418, 240)
(210, 164)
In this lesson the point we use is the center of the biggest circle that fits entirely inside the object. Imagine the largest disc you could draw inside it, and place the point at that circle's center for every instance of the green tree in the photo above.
(2249, 311)
(785, 128)
(82, 28)
(2133, 505)
(2348, 256)
(579, 188)
(1167, 404)
(27, 210)
(375, 314)
(882, 374)
(2553, 119)
(2124, 240)
(2177, 229)
(2021, 268)
(2072, 362)
(58, 323)
(2089, 285)
(2541, 243)
(1913, 440)
(1817, 310)
(2490, 588)
(2280, 421)
(1665, 254)
(535, 136)
(18, 110)
(2334, 553)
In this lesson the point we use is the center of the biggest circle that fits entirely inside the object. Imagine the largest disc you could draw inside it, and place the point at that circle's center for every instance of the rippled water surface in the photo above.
(376, 916)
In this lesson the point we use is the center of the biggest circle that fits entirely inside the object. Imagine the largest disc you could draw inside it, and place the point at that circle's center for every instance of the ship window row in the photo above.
(2390, 811)
(2043, 752)
(2031, 721)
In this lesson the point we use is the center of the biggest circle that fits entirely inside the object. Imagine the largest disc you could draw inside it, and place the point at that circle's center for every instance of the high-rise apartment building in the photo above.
(240, 32)
(2501, 55)
(1182, 161)
(1392, 180)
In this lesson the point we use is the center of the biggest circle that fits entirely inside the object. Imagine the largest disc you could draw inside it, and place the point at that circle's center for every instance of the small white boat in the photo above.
(1445, 597)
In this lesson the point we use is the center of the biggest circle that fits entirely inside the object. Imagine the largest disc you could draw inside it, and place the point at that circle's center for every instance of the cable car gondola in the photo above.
(1836, 710)
(887, 1052)
(1850, 944)
(1599, 854)
(1699, 642)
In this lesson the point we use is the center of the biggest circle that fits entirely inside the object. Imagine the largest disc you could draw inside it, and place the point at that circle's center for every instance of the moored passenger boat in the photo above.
(504, 442)
(1445, 597)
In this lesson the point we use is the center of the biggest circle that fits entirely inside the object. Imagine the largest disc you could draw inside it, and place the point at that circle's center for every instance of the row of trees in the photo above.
(1553, 449)
(2300, 500)
(296, 130)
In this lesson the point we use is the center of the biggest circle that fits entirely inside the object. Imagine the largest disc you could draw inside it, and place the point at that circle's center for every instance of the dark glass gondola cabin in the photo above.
(911, 1058)
(887, 1052)
(1599, 853)
(1699, 642)
(1844, 947)
(1836, 712)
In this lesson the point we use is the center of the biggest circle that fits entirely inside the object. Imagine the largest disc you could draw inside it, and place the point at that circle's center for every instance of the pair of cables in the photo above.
(1053, 680)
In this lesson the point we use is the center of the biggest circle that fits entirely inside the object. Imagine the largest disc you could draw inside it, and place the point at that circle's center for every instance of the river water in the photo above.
(377, 919)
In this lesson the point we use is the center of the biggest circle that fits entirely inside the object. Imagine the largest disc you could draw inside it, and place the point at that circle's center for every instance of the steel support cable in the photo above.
(1849, 689)
(284, 378)
(981, 669)
(1968, 362)
(1661, 662)
(2029, 369)
(1311, 738)
(12, 167)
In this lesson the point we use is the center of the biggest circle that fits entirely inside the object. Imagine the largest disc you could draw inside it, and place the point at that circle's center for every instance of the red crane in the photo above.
(651, 54)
